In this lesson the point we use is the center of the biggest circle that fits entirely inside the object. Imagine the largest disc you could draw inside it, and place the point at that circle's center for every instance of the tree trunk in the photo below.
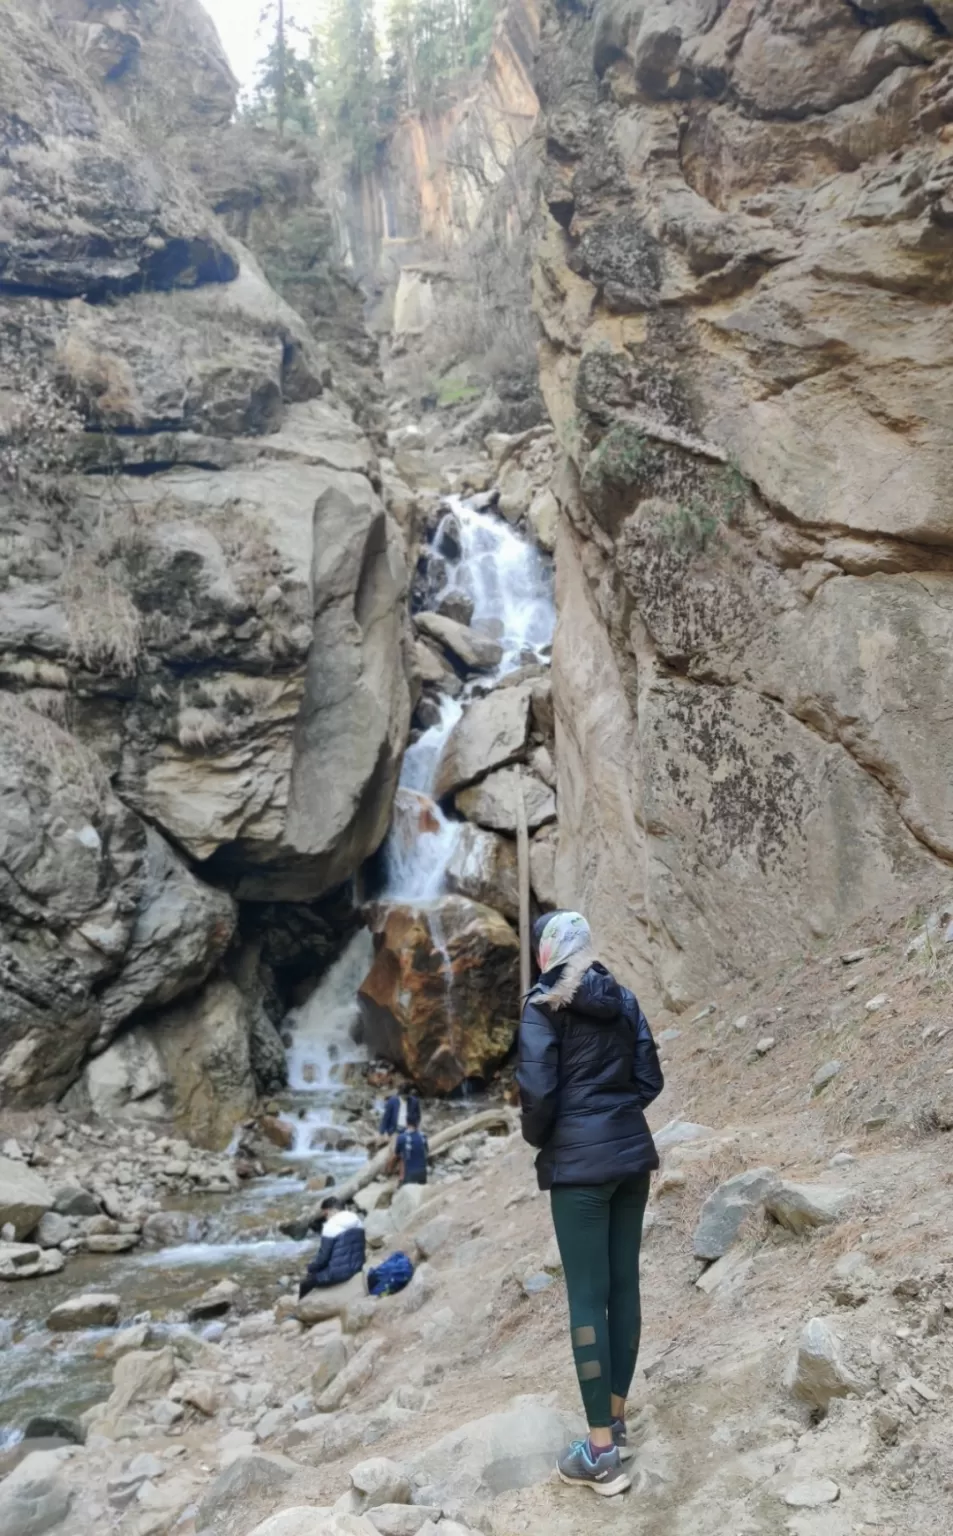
(522, 849)
(282, 71)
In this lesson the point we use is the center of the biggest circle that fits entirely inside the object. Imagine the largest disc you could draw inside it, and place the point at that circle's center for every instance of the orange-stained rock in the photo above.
(442, 997)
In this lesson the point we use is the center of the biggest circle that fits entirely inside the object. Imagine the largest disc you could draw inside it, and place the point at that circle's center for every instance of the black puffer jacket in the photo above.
(586, 1073)
(337, 1259)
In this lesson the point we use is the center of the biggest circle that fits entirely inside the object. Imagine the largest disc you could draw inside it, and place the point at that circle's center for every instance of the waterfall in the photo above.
(323, 1038)
(507, 578)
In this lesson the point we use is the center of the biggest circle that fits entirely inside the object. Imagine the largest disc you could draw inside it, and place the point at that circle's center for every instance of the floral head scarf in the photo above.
(565, 934)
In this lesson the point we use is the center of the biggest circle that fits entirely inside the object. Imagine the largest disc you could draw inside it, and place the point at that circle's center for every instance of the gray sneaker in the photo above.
(606, 1475)
(620, 1439)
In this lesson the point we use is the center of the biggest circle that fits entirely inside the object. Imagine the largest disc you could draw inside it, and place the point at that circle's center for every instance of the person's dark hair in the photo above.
(332, 1203)
(405, 1090)
(539, 928)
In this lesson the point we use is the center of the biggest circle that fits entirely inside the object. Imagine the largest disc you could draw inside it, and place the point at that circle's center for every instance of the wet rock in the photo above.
(91, 1310)
(112, 1242)
(801, 1207)
(492, 802)
(489, 1456)
(55, 1426)
(726, 1210)
(24, 1197)
(456, 605)
(819, 1371)
(278, 1132)
(472, 651)
(247, 1479)
(163, 1229)
(216, 1301)
(24, 1261)
(36, 1496)
(492, 732)
(483, 867)
(419, 953)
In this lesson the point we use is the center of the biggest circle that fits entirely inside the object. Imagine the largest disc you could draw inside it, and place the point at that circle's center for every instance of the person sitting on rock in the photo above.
(410, 1156)
(343, 1248)
(401, 1111)
(588, 1067)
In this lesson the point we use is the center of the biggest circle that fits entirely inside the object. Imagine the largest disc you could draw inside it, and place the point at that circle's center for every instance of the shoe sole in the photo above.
(607, 1490)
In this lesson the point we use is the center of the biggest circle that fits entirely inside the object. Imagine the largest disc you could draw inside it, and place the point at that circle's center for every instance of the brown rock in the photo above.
(278, 1132)
(441, 1000)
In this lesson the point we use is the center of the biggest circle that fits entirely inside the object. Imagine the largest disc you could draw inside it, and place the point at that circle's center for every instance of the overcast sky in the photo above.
(237, 22)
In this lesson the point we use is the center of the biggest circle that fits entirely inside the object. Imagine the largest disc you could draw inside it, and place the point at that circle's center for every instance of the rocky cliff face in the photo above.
(744, 289)
(202, 600)
(442, 164)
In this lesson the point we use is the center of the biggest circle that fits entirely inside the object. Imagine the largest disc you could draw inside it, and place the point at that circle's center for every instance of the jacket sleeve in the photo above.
(322, 1258)
(388, 1119)
(538, 1075)
(646, 1068)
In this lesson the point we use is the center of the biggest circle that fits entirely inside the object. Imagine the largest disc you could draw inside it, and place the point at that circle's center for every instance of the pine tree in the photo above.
(285, 78)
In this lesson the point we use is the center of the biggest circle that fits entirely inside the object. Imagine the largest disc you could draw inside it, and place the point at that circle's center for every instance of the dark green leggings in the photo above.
(599, 1232)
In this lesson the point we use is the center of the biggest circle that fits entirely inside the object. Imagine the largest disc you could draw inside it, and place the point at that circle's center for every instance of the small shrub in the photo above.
(105, 628)
(200, 729)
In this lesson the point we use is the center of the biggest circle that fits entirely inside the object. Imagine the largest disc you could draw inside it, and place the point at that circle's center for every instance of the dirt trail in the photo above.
(721, 1441)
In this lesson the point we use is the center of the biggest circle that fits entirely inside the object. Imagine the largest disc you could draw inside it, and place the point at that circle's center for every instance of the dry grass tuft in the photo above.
(104, 624)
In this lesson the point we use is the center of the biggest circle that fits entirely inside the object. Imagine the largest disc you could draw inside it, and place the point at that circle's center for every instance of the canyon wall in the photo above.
(204, 643)
(441, 165)
(744, 288)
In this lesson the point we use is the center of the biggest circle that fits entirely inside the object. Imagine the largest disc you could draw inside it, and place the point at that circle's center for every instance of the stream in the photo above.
(236, 1235)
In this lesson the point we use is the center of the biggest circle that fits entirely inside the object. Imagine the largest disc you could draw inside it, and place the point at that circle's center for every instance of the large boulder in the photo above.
(234, 605)
(495, 1454)
(71, 874)
(471, 651)
(483, 867)
(492, 802)
(181, 931)
(91, 1310)
(36, 1496)
(442, 997)
(24, 1197)
(189, 1065)
(728, 1208)
(492, 732)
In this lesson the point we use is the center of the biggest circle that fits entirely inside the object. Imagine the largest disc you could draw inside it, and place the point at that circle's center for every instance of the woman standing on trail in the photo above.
(588, 1069)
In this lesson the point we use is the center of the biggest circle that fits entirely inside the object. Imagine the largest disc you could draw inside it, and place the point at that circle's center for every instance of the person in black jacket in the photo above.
(401, 1112)
(588, 1068)
(342, 1252)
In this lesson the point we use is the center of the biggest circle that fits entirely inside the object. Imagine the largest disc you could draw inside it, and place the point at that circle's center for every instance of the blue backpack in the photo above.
(390, 1277)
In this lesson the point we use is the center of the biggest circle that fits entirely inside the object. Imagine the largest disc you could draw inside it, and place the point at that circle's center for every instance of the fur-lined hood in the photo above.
(585, 985)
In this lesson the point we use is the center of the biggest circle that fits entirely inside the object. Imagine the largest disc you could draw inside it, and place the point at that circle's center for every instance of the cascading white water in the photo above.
(322, 1029)
(323, 1042)
(510, 585)
(507, 578)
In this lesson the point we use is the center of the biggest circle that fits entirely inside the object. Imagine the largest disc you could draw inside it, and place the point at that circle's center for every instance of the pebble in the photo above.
(824, 1075)
(841, 1160)
(876, 1003)
(765, 1044)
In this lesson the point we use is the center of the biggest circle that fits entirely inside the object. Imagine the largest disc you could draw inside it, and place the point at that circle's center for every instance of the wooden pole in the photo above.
(522, 852)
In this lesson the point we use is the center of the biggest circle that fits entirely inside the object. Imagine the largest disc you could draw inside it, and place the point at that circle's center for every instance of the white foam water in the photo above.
(323, 1027)
(508, 579)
